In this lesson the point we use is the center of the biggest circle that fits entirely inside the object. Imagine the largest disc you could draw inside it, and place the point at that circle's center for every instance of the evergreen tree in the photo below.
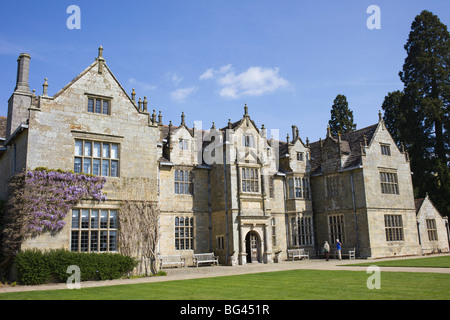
(341, 116)
(419, 116)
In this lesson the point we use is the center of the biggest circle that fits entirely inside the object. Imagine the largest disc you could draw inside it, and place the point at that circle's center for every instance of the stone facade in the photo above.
(232, 191)
(433, 228)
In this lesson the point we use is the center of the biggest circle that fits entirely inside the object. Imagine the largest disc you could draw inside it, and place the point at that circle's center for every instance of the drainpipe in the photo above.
(354, 212)
(14, 157)
(448, 231)
(286, 219)
(226, 197)
(238, 179)
(209, 210)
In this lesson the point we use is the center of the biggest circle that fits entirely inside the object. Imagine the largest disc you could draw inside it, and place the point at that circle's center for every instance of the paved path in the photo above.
(216, 271)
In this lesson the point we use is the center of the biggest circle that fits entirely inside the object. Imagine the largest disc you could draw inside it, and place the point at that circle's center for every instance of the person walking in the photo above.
(338, 247)
(326, 250)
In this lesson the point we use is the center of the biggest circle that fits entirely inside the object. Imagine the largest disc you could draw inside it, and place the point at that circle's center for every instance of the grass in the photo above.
(430, 262)
(283, 285)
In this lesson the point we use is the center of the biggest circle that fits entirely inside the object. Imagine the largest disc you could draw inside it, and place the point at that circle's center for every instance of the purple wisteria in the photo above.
(48, 196)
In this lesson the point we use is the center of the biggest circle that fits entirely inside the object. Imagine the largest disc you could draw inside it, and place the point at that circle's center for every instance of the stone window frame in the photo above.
(273, 225)
(250, 180)
(183, 144)
(299, 188)
(272, 187)
(385, 149)
(393, 226)
(220, 242)
(248, 140)
(332, 185)
(94, 234)
(184, 233)
(98, 98)
(336, 228)
(303, 230)
(389, 181)
(431, 229)
(300, 156)
(183, 185)
(83, 157)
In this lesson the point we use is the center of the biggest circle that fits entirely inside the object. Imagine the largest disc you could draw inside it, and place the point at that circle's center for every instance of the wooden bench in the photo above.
(171, 260)
(199, 258)
(350, 254)
(298, 253)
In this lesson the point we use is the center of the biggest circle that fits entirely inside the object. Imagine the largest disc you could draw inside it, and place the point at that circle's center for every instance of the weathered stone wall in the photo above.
(59, 120)
(428, 211)
(380, 204)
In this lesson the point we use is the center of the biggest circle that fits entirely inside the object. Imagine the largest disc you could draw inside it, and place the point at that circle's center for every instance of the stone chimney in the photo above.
(23, 70)
(294, 133)
(21, 99)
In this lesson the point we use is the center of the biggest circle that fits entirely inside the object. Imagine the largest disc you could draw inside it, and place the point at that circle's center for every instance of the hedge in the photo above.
(36, 267)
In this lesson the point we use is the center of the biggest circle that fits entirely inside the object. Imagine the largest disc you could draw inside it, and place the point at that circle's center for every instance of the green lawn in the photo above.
(283, 285)
(430, 262)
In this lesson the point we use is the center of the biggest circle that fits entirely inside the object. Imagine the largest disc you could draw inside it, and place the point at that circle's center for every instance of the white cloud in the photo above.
(141, 85)
(174, 78)
(208, 74)
(255, 81)
(182, 94)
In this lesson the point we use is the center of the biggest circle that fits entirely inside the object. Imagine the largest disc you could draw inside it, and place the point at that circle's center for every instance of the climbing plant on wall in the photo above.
(40, 199)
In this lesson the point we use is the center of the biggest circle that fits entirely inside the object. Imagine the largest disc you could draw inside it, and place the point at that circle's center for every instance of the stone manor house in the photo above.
(233, 191)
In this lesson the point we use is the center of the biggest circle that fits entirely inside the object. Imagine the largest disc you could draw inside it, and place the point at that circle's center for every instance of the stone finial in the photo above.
(380, 116)
(263, 131)
(154, 116)
(287, 138)
(245, 111)
(100, 60)
(213, 126)
(160, 119)
(183, 123)
(230, 125)
(44, 88)
(307, 141)
(100, 52)
(328, 131)
(145, 104)
(140, 104)
(133, 95)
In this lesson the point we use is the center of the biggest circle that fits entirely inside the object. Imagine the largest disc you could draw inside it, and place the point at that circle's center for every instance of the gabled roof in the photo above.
(418, 204)
(349, 144)
(105, 67)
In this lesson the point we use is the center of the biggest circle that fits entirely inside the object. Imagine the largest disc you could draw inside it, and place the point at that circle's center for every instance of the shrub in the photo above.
(36, 267)
(33, 267)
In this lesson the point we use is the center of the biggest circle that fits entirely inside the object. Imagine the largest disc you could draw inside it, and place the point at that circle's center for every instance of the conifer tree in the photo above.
(341, 116)
(420, 118)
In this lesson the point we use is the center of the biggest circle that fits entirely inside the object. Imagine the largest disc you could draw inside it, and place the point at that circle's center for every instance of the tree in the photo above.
(341, 116)
(420, 118)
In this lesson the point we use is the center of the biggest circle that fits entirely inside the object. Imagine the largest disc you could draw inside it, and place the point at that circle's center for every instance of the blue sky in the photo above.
(286, 59)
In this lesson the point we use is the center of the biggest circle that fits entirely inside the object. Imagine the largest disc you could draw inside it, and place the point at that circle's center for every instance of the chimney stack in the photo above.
(23, 70)
(294, 132)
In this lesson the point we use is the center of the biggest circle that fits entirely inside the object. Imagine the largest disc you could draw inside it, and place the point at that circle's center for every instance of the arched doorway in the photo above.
(253, 247)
